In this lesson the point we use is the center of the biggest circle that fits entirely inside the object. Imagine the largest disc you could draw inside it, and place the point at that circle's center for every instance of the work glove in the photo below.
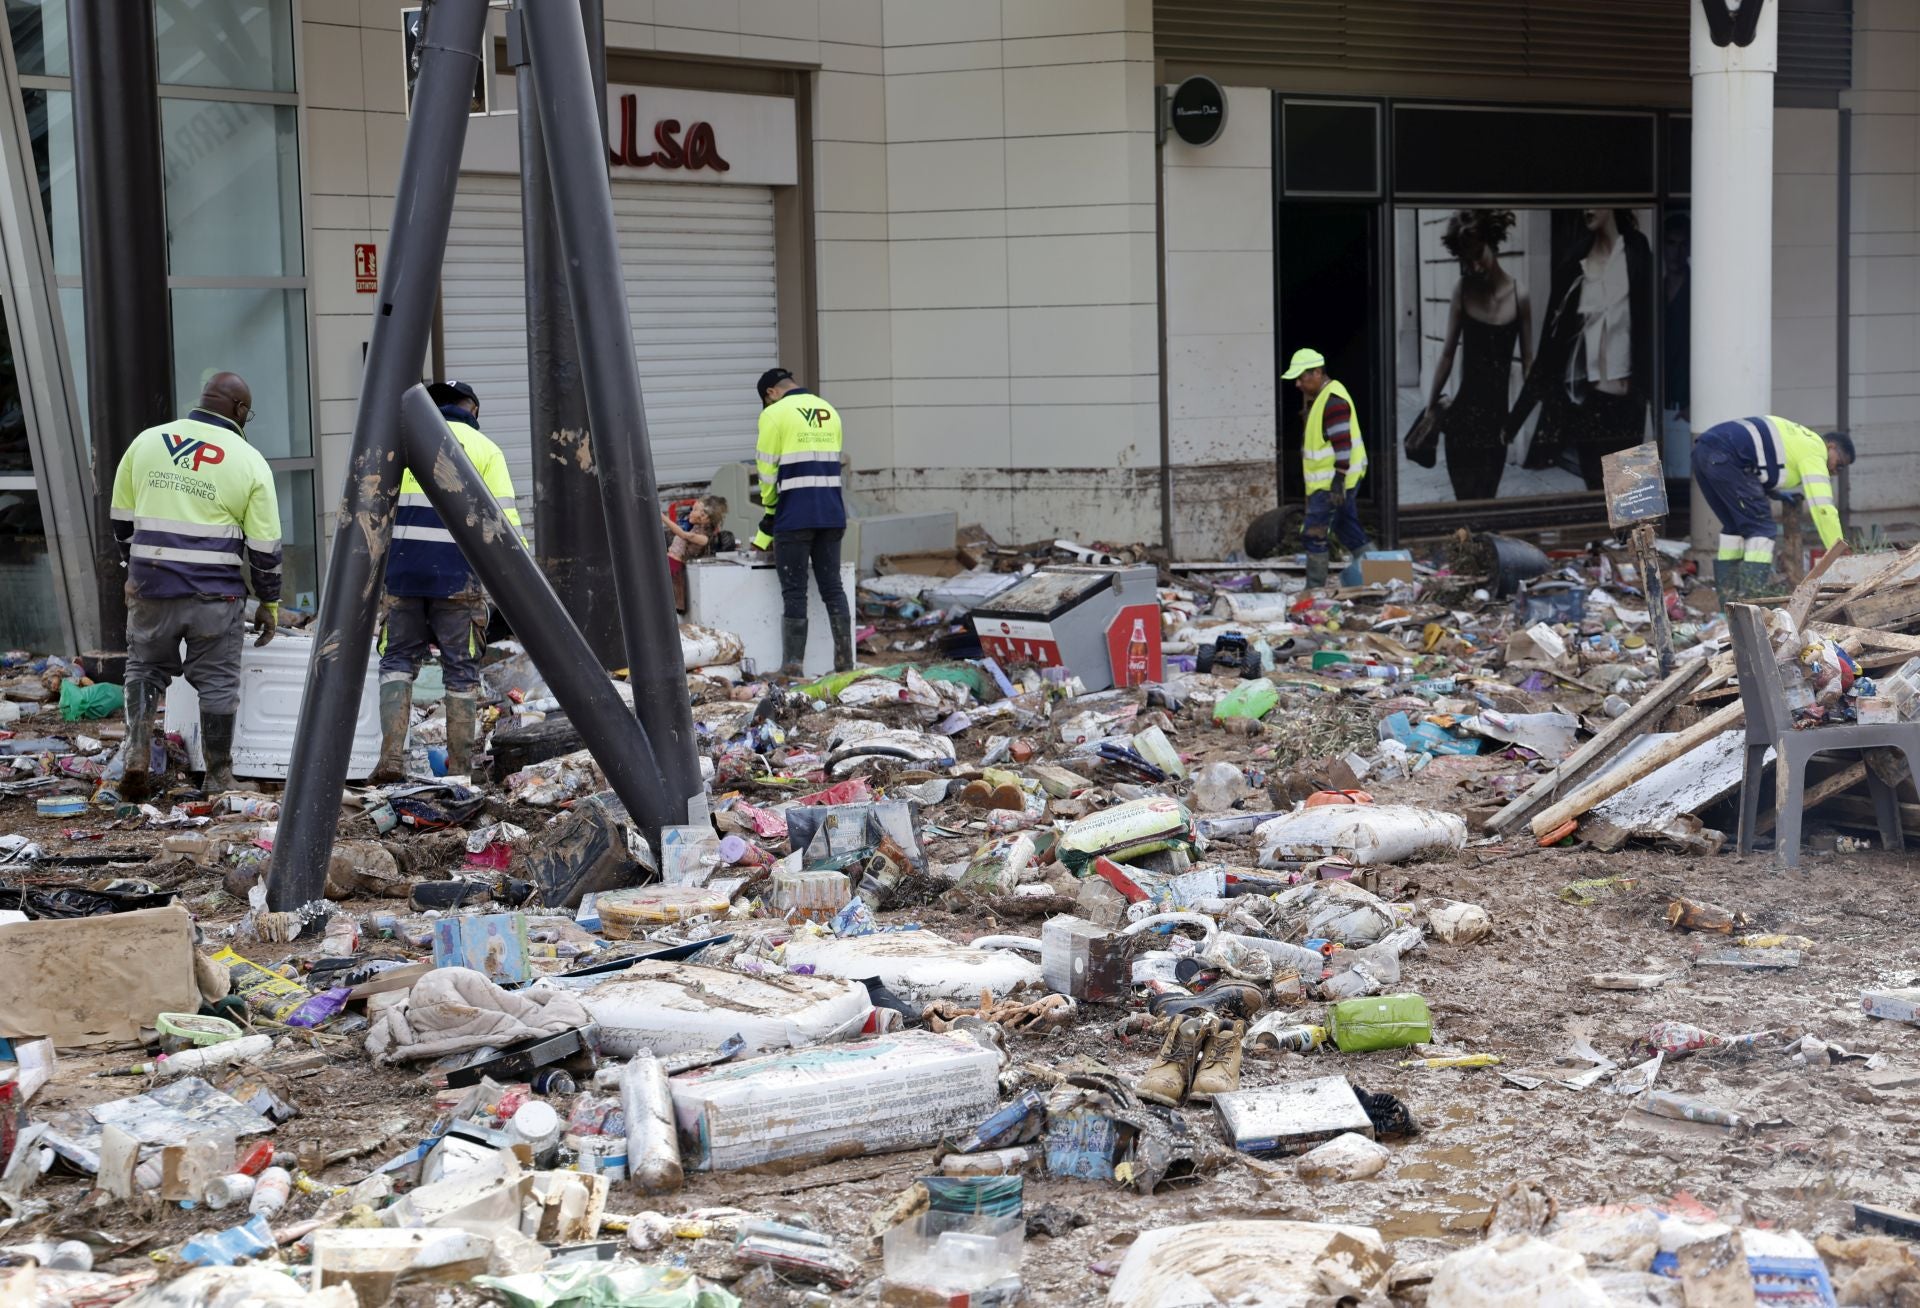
(1337, 492)
(266, 622)
(1791, 498)
(763, 538)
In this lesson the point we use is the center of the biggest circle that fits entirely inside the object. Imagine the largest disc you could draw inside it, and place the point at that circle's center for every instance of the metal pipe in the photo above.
(402, 322)
(583, 200)
(494, 551)
(569, 527)
(123, 259)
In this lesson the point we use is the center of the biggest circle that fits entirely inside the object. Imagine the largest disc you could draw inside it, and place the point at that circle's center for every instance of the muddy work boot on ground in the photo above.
(1316, 570)
(396, 714)
(1756, 580)
(136, 783)
(1219, 1071)
(793, 646)
(462, 718)
(842, 643)
(216, 739)
(1167, 1080)
(1227, 998)
(1726, 581)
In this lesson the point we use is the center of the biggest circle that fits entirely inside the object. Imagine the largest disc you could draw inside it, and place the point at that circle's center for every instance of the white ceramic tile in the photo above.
(831, 226)
(386, 142)
(696, 41)
(1874, 16)
(1061, 17)
(1081, 220)
(1116, 168)
(1067, 270)
(1103, 436)
(927, 392)
(1882, 202)
(1879, 286)
(852, 274)
(949, 343)
(1220, 376)
(778, 49)
(336, 345)
(1883, 343)
(1888, 61)
(947, 224)
(1084, 341)
(383, 73)
(952, 436)
(1805, 213)
(1223, 293)
(797, 20)
(940, 22)
(949, 274)
(1219, 209)
(943, 106)
(840, 57)
(946, 175)
(704, 15)
(1140, 388)
(330, 283)
(349, 213)
(330, 63)
(1069, 100)
(1885, 143)
(849, 107)
(1101, 47)
(854, 22)
(336, 152)
(850, 176)
(868, 437)
(1233, 438)
(629, 11)
(855, 345)
(1803, 351)
(952, 57)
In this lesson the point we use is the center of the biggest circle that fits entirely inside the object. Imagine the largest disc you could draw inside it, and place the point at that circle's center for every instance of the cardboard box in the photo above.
(1083, 959)
(893, 1092)
(1291, 1118)
(1893, 1005)
(1377, 572)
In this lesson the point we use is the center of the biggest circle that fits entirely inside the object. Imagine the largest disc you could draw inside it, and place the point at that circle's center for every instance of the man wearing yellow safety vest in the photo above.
(434, 600)
(1738, 465)
(798, 459)
(197, 519)
(1333, 459)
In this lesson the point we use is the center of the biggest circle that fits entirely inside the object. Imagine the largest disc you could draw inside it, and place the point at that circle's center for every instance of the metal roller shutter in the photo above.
(699, 268)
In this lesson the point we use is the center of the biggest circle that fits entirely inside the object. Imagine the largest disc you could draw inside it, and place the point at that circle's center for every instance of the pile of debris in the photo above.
(1137, 912)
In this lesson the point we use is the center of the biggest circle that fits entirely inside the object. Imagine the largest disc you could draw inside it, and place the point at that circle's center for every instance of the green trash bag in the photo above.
(1358, 1026)
(79, 703)
(1250, 699)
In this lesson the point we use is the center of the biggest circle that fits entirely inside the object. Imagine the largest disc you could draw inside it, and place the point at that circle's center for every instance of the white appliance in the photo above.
(273, 680)
(741, 594)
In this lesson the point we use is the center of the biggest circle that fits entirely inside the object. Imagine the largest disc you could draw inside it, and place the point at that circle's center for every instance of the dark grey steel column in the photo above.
(402, 324)
(569, 526)
(123, 259)
(493, 549)
(583, 199)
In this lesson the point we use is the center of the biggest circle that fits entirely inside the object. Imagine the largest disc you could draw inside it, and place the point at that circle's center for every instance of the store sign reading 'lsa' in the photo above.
(696, 151)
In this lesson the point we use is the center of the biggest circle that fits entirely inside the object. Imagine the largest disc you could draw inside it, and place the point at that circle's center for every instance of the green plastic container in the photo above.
(1359, 1026)
(81, 703)
(1250, 699)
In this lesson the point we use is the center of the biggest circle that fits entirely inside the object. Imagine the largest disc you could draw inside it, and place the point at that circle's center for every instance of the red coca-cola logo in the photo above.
(697, 150)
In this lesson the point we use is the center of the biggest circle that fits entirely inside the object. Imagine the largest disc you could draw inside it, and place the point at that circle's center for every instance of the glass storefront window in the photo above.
(233, 188)
(260, 334)
(29, 617)
(243, 45)
(15, 455)
(39, 30)
(299, 565)
(50, 123)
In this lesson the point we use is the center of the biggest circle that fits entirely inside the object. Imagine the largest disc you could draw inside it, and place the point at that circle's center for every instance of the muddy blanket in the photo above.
(454, 1009)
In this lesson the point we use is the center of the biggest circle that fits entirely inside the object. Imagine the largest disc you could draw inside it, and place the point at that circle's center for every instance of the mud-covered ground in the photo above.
(1832, 1131)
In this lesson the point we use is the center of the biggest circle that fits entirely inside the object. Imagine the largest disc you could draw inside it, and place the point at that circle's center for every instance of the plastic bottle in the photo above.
(223, 1191)
(1217, 787)
(270, 1191)
(537, 1124)
(63, 1255)
(653, 1141)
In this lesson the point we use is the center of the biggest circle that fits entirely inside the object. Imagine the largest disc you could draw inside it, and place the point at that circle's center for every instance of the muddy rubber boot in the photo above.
(396, 713)
(842, 644)
(216, 741)
(1219, 1072)
(136, 783)
(793, 646)
(1226, 997)
(1756, 579)
(1167, 1080)
(1726, 584)
(462, 724)
(1316, 571)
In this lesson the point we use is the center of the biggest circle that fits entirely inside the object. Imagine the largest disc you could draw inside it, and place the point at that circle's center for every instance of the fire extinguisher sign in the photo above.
(1133, 645)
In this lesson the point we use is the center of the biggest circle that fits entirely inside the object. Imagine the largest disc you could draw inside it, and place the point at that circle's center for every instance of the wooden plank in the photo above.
(1801, 604)
(1610, 740)
(1880, 578)
(1819, 793)
(1857, 638)
(1584, 799)
(1890, 606)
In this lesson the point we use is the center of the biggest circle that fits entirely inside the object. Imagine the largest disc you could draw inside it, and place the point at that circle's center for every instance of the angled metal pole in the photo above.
(493, 549)
(123, 260)
(569, 527)
(402, 324)
(556, 46)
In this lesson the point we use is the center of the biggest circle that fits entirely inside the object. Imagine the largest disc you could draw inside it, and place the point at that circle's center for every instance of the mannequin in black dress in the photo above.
(1489, 309)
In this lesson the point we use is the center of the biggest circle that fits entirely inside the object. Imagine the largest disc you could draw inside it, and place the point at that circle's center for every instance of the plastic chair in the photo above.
(1770, 726)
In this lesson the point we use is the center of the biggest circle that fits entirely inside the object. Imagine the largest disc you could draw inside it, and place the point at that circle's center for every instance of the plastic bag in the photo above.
(1141, 826)
(1358, 1026)
(1250, 699)
(83, 703)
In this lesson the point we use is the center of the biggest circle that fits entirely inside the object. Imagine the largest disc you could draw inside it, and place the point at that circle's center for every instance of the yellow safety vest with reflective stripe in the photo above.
(1317, 455)
(798, 459)
(424, 560)
(1804, 464)
(195, 513)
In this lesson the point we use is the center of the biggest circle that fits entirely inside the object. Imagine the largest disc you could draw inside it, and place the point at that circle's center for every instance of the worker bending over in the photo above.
(1738, 465)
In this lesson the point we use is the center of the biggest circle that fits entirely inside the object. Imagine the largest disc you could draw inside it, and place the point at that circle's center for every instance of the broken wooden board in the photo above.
(1885, 607)
(1687, 784)
(1669, 749)
(1890, 570)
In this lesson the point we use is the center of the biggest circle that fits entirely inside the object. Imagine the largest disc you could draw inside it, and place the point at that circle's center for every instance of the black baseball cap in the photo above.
(1844, 441)
(451, 392)
(771, 378)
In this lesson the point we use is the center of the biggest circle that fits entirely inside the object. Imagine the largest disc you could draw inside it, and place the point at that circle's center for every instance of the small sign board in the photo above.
(1198, 111)
(1636, 485)
(411, 23)
(1133, 645)
(366, 268)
